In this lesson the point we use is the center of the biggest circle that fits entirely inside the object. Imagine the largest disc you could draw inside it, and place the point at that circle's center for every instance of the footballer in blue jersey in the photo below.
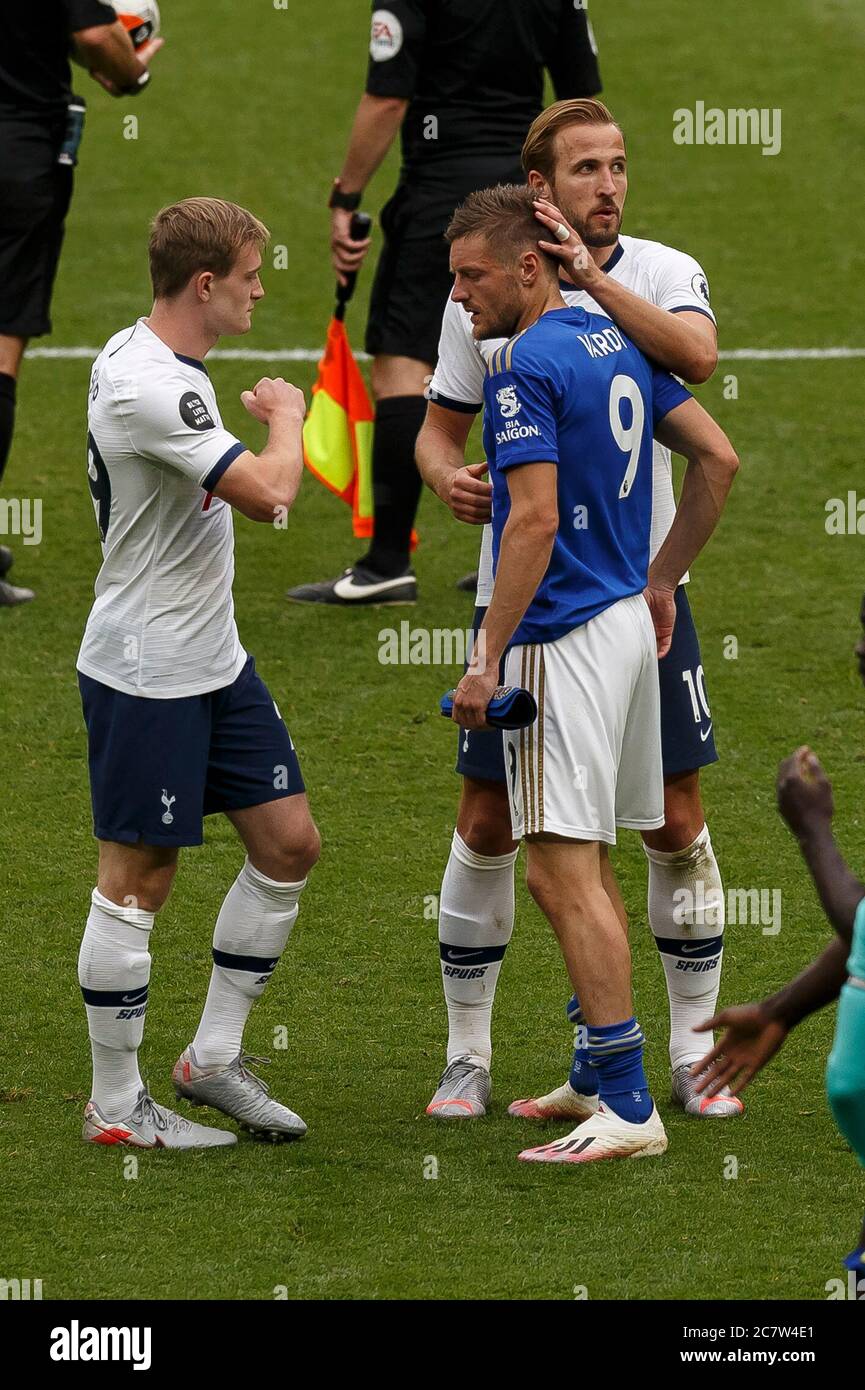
(541, 398)
(580, 618)
(576, 161)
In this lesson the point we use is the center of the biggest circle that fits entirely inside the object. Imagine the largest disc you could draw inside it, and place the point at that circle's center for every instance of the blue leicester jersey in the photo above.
(574, 391)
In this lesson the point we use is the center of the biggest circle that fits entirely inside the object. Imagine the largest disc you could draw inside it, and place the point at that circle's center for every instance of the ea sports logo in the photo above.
(386, 37)
(508, 403)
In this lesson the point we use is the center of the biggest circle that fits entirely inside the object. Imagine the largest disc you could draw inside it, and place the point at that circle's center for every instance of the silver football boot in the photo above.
(151, 1126)
(684, 1093)
(237, 1092)
(463, 1091)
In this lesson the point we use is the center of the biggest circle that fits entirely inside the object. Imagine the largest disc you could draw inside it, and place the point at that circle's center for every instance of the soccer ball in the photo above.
(140, 20)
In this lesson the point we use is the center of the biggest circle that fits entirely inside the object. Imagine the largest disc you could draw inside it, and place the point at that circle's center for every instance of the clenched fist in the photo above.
(273, 395)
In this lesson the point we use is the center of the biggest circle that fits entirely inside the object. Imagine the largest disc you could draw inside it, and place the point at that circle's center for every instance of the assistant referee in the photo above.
(41, 122)
(464, 80)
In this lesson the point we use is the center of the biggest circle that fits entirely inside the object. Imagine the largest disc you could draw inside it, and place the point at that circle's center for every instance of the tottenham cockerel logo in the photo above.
(508, 403)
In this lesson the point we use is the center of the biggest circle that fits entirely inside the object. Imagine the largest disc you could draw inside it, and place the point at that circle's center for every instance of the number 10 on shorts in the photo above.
(695, 681)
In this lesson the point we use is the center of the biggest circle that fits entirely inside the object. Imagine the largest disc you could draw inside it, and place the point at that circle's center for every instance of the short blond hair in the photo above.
(198, 234)
(539, 150)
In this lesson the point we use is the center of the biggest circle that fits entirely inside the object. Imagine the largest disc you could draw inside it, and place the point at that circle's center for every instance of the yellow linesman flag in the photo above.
(337, 432)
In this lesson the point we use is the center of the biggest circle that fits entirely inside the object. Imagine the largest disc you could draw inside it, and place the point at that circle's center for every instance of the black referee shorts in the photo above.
(35, 192)
(412, 278)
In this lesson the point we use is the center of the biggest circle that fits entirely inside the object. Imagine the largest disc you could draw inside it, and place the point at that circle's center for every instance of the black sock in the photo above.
(7, 417)
(396, 483)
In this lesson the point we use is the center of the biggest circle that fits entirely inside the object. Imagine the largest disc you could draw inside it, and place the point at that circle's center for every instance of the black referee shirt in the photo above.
(35, 80)
(473, 71)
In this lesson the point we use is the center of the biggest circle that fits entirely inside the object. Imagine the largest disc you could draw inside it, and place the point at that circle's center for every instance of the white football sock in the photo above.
(686, 914)
(476, 920)
(114, 973)
(252, 929)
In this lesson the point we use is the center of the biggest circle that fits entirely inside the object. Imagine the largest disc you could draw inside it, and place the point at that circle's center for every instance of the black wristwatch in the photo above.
(349, 202)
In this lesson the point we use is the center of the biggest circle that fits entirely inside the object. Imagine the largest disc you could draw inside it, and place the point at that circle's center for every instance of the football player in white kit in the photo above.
(574, 156)
(179, 723)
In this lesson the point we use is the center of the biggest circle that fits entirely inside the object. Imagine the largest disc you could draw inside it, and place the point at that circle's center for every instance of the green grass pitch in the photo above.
(257, 109)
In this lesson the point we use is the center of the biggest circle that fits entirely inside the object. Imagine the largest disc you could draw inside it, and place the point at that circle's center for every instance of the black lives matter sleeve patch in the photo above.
(195, 413)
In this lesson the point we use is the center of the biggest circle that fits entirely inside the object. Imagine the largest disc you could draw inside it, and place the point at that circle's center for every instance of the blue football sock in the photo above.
(582, 1076)
(616, 1051)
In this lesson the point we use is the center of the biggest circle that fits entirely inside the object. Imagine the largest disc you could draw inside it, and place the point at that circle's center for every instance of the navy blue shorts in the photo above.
(158, 767)
(687, 740)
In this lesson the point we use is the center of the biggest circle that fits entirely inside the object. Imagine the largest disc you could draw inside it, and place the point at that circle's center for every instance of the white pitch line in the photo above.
(218, 354)
(789, 354)
(829, 354)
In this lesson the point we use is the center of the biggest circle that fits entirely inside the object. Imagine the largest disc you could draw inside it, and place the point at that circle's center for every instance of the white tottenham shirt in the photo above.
(162, 625)
(658, 273)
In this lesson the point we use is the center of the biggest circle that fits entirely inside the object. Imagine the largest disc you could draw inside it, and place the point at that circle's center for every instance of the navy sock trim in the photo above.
(115, 998)
(467, 955)
(697, 950)
(256, 965)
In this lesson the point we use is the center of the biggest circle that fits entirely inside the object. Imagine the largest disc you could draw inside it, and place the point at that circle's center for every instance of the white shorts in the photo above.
(592, 759)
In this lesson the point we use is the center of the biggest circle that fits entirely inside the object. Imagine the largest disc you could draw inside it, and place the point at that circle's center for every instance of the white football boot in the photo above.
(463, 1091)
(237, 1092)
(151, 1126)
(684, 1093)
(604, 1135)
(564, 1103)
